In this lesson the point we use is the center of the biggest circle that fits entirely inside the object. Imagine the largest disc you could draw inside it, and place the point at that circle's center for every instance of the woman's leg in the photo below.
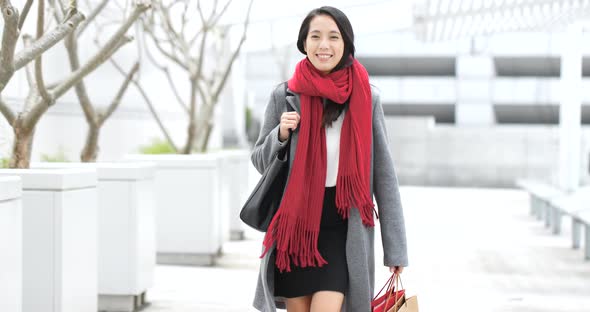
(327, 301)
(298, 304)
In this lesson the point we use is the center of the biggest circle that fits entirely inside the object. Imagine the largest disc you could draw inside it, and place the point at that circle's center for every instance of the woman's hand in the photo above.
(396, 269)
(289, 120)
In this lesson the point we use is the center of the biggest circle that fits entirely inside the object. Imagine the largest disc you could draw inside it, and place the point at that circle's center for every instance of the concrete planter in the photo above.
(233, 191)
(126, 231)
(11, 277)
(59, 262)
(188, 225)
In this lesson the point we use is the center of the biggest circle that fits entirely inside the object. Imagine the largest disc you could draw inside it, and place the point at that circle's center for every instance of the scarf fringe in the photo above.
(348, 196)
(299, 249)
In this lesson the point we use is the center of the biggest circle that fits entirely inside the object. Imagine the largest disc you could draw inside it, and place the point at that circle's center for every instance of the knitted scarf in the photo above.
(296, 225)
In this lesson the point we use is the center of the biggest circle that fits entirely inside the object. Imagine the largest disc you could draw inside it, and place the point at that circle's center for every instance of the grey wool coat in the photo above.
(359, 240)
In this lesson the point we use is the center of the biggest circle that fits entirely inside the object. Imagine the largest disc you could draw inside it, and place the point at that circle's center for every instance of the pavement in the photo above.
(469, 250)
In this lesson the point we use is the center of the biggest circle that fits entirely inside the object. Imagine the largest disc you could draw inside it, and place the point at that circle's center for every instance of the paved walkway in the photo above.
(470, 250)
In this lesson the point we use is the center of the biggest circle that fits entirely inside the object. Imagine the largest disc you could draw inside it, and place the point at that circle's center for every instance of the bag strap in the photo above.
(389, 295)
(387, 284)
(289, 109)
(285, 150)
(398, 281)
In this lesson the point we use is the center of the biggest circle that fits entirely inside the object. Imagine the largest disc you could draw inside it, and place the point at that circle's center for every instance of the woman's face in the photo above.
(324, 44)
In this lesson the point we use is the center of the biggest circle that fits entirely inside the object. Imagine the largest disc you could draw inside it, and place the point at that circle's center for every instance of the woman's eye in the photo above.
(334, 37)
(315, 37)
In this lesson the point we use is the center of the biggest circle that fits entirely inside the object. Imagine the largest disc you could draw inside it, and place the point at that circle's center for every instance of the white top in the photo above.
(333, 150)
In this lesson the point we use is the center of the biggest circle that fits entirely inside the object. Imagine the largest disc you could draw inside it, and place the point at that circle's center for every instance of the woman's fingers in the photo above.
(293, 116)
(290, 120)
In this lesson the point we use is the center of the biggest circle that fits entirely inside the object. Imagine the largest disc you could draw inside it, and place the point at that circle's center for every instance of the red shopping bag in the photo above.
(386, 301)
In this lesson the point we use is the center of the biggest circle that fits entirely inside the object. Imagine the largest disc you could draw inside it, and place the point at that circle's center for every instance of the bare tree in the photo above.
(169, 27)
(95, 116)
(281, 55)
(42, 96)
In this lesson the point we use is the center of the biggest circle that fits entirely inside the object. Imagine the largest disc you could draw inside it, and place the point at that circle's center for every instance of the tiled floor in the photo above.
(470, 250)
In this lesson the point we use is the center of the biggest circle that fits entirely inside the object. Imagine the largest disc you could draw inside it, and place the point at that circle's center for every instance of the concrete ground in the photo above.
(469, 249)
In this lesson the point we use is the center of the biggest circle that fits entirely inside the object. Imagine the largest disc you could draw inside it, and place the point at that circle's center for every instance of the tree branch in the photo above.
(60, 7)
(166, 53)
(200, 10)
(173, 35)
(24, 13)
(47, 41)
(39, 60)
(9, 40)
(104, 54)
(57, 10)
(157, 42)
(197, 72)
(150, 106)
(194, 38)
(149, 53)
(100, 57)
(120, 93)
(183, 20)
(174, 89)
(215, 19)
(7, 112)
(27, 39)
(80, 87)
(235, 54)
(91, 17)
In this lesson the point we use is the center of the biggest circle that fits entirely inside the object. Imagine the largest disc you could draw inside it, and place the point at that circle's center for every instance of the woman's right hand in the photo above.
(289, 120)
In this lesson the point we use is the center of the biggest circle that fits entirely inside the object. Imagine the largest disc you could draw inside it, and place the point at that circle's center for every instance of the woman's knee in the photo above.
(298, 304)
(327, 301)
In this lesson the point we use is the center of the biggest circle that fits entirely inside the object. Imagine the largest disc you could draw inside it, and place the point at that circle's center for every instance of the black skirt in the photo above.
(332, 246)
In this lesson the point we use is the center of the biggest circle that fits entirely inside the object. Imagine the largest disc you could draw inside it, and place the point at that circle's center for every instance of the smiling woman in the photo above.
(318, 249)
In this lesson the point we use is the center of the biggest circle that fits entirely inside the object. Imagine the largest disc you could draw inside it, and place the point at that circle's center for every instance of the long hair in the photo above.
(331, 109)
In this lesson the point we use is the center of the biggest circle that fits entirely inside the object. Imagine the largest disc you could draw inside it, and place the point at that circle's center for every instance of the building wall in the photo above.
(451, 106)
(488, 156)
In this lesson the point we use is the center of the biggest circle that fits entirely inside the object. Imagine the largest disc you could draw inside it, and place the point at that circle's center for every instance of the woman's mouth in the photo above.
(323, 57)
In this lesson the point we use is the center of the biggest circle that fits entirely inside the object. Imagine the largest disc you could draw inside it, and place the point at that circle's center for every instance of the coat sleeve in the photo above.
(385, 185)
(268, 145)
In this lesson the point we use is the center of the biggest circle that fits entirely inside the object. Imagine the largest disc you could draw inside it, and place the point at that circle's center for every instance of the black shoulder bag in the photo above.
(266, 197)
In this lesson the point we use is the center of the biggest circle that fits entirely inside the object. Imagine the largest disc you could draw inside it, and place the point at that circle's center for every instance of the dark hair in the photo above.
(331, 109)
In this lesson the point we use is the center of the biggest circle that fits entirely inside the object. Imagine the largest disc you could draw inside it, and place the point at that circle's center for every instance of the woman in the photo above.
(318, 250)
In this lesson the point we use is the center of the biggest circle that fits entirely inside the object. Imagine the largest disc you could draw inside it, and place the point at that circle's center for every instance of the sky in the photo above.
(279, 21)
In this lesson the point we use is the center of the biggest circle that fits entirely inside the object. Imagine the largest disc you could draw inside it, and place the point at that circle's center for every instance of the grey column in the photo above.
(474, 96)
(570, 110)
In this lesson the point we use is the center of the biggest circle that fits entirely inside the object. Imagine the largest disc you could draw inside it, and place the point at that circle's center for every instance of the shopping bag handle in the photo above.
(398, 281)
(387, 284)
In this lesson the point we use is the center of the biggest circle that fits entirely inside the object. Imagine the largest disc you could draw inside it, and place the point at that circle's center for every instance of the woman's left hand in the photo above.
(396, 269)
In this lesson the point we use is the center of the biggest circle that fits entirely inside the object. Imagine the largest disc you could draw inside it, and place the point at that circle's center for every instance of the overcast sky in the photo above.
(366, 16)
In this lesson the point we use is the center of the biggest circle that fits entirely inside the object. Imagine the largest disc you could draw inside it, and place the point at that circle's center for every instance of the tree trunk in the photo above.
(205, 134)
(190, 138)
(205, 126)
(21, 148)
(90, 151)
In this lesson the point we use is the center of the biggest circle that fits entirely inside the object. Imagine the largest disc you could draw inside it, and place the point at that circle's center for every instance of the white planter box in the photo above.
(11, 277)
(233, 191)
(187, 205)
(59, 239)
(126, 232)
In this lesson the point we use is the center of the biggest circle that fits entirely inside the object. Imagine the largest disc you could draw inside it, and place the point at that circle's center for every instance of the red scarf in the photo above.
(296, 225)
